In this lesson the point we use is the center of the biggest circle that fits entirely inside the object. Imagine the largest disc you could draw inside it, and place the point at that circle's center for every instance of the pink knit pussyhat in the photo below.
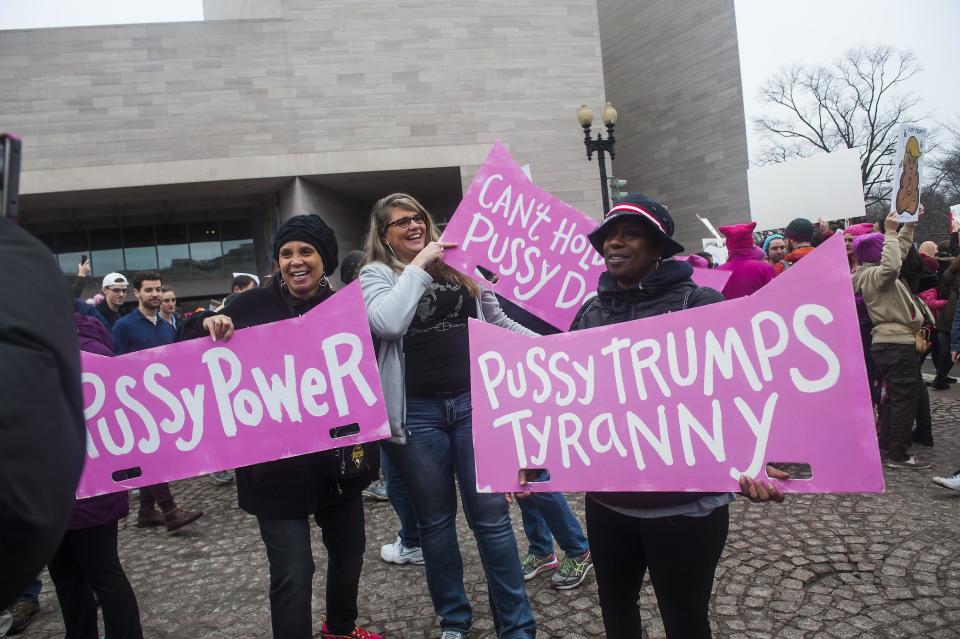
(856, 230)
(693, 260)
(739, 236)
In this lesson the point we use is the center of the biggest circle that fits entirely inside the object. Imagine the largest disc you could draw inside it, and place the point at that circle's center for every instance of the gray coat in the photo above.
(391, 302)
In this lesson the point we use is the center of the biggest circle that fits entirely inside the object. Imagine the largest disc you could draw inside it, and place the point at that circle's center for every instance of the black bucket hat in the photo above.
(640, 207)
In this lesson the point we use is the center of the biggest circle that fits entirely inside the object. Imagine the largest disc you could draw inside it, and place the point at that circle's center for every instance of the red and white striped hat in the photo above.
(637, 206)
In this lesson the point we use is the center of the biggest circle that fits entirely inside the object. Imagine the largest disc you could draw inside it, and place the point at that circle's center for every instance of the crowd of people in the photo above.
(418, 309)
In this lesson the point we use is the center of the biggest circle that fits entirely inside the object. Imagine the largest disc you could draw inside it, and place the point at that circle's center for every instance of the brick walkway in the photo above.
(816, 566)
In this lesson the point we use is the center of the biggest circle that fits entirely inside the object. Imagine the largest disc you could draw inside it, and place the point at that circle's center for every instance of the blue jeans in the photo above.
(400, 500)
(32, 593)
(440, 447)
(546, 513)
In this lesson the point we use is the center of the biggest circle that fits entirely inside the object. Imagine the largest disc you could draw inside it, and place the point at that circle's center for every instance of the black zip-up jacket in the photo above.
(41, 409)
(666, 290)
(286, 488)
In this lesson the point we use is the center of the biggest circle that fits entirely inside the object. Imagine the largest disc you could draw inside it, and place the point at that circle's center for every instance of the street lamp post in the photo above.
(600, 146)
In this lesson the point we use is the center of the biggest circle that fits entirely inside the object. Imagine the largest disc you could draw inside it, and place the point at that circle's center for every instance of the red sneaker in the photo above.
(358, 633)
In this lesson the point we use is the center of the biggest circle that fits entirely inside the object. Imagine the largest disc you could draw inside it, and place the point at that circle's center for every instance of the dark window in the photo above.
(173, 251)
(206, 253)
(107, 254)
(239, 255)
(70, 246)
(140, 248)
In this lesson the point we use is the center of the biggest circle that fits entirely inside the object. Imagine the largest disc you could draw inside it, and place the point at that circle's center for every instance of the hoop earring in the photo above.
(323, 281)
(659, 262)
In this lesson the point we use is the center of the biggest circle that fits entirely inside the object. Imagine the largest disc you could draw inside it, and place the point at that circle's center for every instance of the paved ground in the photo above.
(816, 566)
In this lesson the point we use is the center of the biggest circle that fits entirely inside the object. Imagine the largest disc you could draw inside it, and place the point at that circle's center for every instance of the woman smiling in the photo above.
(677, 536)
(284, 494)
(419, 308)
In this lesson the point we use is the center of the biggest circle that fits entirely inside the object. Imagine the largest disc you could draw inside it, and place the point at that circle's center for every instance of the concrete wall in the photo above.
(329, 87)
(673, 72)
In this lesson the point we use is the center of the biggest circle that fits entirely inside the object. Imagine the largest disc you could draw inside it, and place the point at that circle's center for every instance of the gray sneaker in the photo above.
(377, 490)
(222, 477)
(533, 565)
(573, 570)
(452, 634)
(909, 462)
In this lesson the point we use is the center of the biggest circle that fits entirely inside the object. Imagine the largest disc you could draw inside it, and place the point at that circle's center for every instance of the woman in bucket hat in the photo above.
(677, 536)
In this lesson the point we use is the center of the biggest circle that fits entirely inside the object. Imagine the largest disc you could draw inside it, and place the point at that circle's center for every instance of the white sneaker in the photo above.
(952, 482)
(397, 553)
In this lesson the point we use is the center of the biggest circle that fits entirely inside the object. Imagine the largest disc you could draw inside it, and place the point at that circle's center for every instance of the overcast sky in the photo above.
(771, 33)
(776, 33)
(33, 14)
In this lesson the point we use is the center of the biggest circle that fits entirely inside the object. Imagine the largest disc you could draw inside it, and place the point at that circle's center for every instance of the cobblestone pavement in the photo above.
(816, 566)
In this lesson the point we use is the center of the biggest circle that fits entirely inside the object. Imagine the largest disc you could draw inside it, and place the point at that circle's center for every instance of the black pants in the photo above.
(942, 359)
(86, 563)
(898, 371)
(291, 569)
(682, 554)
(924, 428)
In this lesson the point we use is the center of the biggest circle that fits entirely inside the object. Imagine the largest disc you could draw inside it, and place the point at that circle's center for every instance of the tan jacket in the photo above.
(890, 304)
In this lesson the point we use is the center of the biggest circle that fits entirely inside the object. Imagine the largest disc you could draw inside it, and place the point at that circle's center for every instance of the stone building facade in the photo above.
(181, 146)
(673, 71)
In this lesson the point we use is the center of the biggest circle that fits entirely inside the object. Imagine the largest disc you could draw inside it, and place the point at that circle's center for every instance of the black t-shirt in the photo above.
(436, 346)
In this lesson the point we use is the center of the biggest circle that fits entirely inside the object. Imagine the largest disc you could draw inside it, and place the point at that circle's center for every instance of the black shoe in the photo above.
(950, 380)
(938, 384)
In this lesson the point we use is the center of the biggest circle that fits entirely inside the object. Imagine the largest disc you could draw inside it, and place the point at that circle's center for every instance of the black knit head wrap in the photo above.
(311, 229)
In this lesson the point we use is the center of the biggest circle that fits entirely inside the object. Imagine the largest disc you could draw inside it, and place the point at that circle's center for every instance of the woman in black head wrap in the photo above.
(284, 494)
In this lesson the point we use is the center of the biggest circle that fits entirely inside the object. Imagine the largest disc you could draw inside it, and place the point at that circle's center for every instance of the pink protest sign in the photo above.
(534, 243)
(272, 391)
(711, 277)
(686, 401)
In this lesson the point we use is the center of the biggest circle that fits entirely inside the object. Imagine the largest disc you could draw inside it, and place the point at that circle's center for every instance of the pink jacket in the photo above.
(748, 274)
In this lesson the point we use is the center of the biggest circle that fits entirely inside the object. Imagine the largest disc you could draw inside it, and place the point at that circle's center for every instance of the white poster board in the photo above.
(955, 218)
(908, 172)
(717, 248)
(827, 185)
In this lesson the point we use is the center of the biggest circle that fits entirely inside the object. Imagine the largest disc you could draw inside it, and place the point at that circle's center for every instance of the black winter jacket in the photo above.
(286, 488)
(41, 409)
(666, 290)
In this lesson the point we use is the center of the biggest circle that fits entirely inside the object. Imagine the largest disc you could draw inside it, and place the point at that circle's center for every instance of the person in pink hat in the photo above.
(849, 234)
(747, 273)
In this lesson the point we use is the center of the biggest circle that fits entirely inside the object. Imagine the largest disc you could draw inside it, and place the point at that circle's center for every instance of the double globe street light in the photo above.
(600, 145)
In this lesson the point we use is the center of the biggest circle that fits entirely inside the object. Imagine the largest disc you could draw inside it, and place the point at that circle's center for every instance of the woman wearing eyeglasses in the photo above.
(419, 308)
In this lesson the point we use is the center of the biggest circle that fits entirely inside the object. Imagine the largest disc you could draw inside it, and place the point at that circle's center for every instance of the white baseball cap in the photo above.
(112, 279)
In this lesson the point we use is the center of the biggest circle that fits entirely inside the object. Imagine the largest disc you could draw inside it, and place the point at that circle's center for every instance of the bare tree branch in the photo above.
(857, 103)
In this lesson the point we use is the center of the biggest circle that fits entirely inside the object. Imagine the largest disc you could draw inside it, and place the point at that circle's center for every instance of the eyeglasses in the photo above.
(404, 222)
(117, 290)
